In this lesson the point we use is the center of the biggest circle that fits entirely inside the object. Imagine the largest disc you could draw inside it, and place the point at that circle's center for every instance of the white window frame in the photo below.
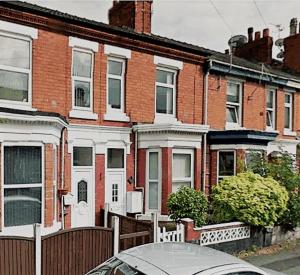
(219, 178)
(148, 210)
(232, 125)
(184, 152)
(273, 110)
(84, 79)
(112, 113)
(18, 104)
(290, 106)
(22, 229)
(166, 117)
(55, 175)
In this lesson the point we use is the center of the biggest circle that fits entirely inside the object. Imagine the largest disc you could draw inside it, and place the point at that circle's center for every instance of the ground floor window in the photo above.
(23, 177)
(182, 169)
(153, 180)
(226, 164)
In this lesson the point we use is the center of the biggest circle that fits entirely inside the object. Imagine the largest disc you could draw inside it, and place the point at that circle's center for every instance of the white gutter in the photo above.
(291, 82)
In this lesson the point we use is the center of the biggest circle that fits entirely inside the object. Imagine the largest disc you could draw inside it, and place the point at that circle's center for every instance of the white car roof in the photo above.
(176, 258)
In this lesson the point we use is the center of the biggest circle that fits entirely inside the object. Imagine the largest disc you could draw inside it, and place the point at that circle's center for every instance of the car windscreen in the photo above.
(115, 267)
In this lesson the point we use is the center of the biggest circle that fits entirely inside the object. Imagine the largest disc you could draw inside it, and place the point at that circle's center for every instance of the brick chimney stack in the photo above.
(293, 26)
(259, 49)
(291, 60)
(132, 14)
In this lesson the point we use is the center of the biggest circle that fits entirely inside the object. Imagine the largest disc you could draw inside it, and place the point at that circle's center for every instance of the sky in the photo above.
(207, 23)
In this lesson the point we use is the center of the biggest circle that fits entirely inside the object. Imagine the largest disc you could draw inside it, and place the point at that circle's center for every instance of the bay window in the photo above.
(234, 104)
(271, 109)
(82, 77)
(23, 181)
(165, 92)
(153, 180)
(182, 169)
(288, 111)
(226, 164)
(15, 69)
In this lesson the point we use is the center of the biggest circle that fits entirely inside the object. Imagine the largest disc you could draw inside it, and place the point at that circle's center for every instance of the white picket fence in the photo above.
(161, 235)
(171, 236)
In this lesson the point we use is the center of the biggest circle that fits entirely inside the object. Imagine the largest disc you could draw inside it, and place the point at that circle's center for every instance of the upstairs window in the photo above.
(82, 76)
(234, 103)
(15, 69)
(288, 111)
(165, 92)
(115, 85)
(270, 107)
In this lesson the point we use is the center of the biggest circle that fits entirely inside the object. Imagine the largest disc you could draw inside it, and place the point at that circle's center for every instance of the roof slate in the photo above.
(151, 38)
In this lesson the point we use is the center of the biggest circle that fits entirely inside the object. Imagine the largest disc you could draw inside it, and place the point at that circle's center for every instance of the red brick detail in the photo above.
(213, 167)
(254, 106)
(291, 53)
(240, 160)
(190, 233)
(130, 167)
(133, 14)
(99, 186)
(166, 178)
(197, 169)
(48, 186)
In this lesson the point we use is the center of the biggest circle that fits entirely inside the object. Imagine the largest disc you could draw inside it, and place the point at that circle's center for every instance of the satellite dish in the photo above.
(237, 41)
(279, 42)
(280, 55)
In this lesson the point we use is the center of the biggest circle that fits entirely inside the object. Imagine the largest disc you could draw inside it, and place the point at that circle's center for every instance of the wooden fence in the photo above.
(132, 232)
(67, 252)
(17, 256)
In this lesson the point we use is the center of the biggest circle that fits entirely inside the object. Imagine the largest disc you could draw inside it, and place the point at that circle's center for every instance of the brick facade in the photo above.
(52, 99)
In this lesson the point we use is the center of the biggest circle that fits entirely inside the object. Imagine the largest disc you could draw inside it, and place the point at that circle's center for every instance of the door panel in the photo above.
(115, 192)
(82, 189)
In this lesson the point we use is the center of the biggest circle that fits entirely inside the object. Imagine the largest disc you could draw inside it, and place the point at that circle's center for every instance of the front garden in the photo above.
(263, 195)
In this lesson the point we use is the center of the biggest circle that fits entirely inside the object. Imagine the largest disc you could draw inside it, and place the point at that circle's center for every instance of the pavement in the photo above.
(286, 260)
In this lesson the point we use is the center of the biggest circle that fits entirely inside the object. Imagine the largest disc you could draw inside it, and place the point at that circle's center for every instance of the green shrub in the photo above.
(249, 198)
(283, 170)
(188, 203)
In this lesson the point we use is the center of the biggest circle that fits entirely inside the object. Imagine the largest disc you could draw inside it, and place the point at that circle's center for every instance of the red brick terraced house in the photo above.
(110, 113)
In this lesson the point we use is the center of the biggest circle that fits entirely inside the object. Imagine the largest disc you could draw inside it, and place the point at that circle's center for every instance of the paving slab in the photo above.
(286, 260)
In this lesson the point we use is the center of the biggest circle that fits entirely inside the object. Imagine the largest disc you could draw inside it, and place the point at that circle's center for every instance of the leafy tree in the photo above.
(249, 198)
(188, 203)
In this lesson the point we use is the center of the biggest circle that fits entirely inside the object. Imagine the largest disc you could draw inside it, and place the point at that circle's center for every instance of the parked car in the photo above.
(176, 259)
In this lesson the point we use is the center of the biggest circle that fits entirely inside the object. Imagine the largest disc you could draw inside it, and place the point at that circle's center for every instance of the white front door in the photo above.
(115, 194)
(115, 181)
(82, 189)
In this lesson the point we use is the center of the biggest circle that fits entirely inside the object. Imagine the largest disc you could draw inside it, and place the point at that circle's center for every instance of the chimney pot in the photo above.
(257, 35)
(293, 26)
(250, 34)
(266, 32)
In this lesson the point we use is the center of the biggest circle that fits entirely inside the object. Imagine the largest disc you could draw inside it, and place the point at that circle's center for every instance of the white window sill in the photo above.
(233, 126)
(271, 130)
(116, 117)
(288, 132)
(163, 119)
(16, 106)
(83, 114)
